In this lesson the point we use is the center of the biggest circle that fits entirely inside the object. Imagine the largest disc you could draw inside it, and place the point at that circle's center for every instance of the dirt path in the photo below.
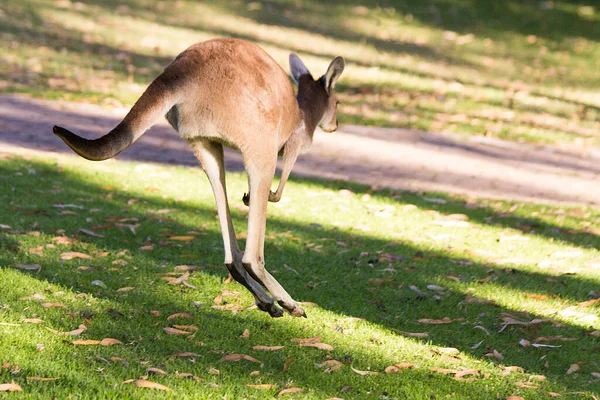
(379, 157)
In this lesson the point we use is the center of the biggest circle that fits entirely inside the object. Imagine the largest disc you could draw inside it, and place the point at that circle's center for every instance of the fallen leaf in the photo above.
(70, 255)
(187, 268)
(174, 331)
(187, 375)
(33, 320)
(421, 335)
(53, 305)
(477, 300)
(306, 340)
(444, 371)
(290, 390)
(318, 345)
(90, 233)
(527, 385)
(143, 383)
(125, 289)
(267, 348)
(515, 398)
(185, 354)
(28, 267)
(264, 386)
(245, 334)
(103, 342)
(184, 314)
(572, 369)
(537, 377)
(397, 367)
(41, 379)
(332, 365)
(444, 320)
(239, 357)
(76, 332)
(147, 247)
(180, 280)
(589, 303)
(10, 387)
(512, 368)
(155, 371)
(182, 238)
(190, 328)
(364, 373)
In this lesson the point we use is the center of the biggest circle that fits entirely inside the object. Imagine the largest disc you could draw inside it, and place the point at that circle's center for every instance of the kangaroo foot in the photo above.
(294, 309)
(272, 309)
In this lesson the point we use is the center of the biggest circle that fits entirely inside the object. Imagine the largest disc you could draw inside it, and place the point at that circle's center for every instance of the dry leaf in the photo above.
(143, 383)
(332, 365)
(155, 371)
(187, 375)
(515, 398)
(180, 280)
(239, 357)
(397, 367)
(290, 390)
(477, 300)
(527, 385)
(103, 342)
(267, 348)
(76, 332)
(33, 320)
(264, 386)
(512, 368)
(180, 315)
(537, 377)
(90, 233)
(10, 387)
(175, 331)
(147, 247)
(27, 267)
(41, 379)
(589, 303)
(187, 268)
(53, 305)
(185, 354)
(444, 371)
(245, 334)
(572, 369)
(125, 289)
(421, 335)
(364, 373)
(318, 345)
(306, 340)
(69, 255)
(182, 238)
(444, 320)
(190, 328)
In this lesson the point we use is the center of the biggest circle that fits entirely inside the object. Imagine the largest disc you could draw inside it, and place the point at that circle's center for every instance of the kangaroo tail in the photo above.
(156, 101)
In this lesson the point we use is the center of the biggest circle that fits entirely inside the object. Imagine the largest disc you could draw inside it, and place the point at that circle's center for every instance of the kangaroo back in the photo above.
(156, 101)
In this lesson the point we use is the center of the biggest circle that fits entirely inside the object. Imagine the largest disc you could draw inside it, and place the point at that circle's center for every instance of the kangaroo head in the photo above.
(316, 97)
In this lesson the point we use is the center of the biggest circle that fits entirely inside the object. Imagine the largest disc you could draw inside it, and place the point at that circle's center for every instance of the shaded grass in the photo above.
(336, 241)
(523, 71)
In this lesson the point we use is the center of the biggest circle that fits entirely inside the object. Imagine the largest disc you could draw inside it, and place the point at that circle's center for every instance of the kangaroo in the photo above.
(230, 92)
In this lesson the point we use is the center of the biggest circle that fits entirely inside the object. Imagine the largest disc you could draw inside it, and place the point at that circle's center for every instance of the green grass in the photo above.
(521, 70)
(357, 254)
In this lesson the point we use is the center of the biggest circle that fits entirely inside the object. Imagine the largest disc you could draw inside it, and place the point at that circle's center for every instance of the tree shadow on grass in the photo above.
(336, 279)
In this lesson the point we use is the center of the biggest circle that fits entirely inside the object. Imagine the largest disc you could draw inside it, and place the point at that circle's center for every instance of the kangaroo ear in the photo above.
(297, 68)
(333, 73)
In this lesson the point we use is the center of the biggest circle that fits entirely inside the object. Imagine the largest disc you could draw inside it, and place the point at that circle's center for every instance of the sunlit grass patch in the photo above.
(444, 293)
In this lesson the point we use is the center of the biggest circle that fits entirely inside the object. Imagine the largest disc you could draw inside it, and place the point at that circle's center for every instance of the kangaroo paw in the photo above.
(246, 199)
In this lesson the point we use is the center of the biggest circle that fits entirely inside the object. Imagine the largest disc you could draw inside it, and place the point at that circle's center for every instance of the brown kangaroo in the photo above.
(230, 92)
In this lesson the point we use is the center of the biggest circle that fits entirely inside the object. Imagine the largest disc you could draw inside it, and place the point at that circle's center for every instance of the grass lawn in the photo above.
(412, 296)
(523, 70)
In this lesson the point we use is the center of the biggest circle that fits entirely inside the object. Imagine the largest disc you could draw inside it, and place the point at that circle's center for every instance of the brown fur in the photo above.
(230, 92)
